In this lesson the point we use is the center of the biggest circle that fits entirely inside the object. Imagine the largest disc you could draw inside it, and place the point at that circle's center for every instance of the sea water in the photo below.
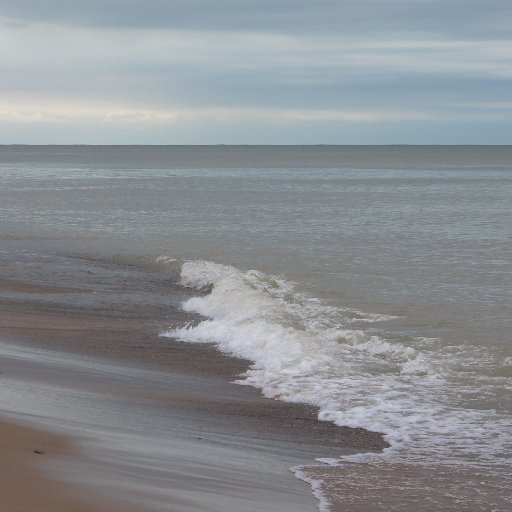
(372, 282)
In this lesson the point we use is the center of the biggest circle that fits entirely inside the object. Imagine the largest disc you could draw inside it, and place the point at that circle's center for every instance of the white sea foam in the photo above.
(307, 351)
(316, 488)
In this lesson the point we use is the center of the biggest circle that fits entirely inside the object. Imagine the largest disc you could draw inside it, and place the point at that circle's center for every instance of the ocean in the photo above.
(373, 282)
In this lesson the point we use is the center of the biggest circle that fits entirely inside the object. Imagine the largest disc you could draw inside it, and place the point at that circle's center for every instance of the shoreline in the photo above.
(112, 367)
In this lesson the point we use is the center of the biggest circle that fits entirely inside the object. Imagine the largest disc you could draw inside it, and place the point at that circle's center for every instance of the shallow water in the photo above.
(381, 282)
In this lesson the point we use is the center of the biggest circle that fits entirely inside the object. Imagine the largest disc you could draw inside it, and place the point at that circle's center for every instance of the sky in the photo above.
(256, 72)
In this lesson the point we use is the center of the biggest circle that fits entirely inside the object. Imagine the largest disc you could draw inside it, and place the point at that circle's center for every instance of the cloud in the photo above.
(107, 113)
(52, 56)
(65, 112)
(226, 62)
(454, 17)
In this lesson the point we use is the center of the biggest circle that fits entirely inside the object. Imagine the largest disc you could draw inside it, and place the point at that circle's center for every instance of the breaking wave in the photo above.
(342, 361)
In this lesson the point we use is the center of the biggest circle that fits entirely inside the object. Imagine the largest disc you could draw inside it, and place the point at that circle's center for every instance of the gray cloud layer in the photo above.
(459, 18)
(285, 65)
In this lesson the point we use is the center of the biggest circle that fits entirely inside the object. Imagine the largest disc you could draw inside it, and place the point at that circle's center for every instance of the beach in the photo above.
(125, 417)
(268, 328)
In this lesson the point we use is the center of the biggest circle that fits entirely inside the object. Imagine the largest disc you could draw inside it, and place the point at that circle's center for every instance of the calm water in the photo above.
(374, 282)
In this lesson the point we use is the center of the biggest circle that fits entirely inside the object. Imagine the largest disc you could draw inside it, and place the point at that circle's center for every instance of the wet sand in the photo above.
(151, 423)
(25, 484)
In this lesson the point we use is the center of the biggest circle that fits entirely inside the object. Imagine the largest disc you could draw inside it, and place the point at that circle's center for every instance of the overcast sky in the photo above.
(256, 72)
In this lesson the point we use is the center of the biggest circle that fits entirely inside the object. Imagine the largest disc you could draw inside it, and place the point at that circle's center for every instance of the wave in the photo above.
(335, 358)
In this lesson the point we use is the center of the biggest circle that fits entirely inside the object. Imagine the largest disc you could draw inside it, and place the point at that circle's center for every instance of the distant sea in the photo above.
(371, 281)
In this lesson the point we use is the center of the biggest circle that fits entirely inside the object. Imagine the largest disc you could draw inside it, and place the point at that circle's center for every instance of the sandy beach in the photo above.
(27, 483)
(134, 420)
